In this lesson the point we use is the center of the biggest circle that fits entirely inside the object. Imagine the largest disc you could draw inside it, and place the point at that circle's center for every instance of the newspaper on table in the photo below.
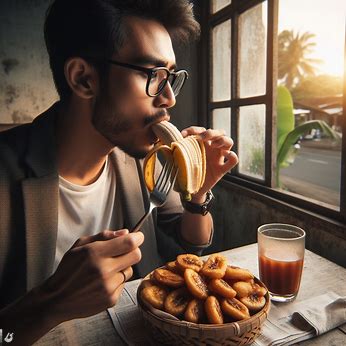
(286, 324)
(126, 317)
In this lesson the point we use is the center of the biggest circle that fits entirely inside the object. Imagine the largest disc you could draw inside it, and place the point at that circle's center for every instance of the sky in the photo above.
(324, 18)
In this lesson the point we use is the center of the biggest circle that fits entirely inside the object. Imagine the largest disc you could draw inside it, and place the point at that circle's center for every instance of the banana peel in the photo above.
(188, 155)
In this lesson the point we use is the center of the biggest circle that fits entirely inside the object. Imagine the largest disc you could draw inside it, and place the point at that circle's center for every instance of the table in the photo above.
(319, 276)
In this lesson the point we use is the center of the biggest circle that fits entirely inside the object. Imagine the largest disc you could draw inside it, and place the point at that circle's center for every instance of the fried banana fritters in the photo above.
(222, 288)
(154, 295)
(202, 292)
(215, 266)
(168, 278)
(196, 284)
(176, 301)
(189, 261)
(195, 311)
(213, 310)
(236, 273)
(234, 308)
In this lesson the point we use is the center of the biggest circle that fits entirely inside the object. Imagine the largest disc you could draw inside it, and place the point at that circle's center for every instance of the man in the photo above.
(71, 182)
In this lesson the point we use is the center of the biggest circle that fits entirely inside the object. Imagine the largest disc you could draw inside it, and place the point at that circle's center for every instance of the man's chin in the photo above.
(135, 153)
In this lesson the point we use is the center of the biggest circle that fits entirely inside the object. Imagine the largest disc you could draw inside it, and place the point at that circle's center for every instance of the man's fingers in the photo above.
(231, 159)
(192, 130)
(120, 232)
(116, 295)
(222, 142)
(102, 236)
(124, 274)
(119, 245)
(211, 133)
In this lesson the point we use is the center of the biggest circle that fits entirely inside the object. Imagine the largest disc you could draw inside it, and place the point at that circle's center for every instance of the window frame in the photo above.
(206, 106)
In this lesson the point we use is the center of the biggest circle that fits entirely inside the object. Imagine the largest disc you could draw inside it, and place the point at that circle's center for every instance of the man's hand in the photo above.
(220, 158)
(89, 279)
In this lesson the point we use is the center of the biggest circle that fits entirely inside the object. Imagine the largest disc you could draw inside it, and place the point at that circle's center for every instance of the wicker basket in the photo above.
(171, 332)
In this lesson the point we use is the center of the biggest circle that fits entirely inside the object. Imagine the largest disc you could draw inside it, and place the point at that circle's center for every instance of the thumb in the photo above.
(104, 235)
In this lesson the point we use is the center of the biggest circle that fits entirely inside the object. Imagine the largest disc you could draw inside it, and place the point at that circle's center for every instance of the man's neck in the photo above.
(81, 150)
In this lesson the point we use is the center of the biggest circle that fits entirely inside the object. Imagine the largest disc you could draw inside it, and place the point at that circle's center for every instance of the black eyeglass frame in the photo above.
(150, 72)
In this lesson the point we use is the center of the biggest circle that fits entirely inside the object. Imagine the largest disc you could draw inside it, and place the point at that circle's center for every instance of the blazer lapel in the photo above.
(135, 201)
(40, 195)
(129, 184)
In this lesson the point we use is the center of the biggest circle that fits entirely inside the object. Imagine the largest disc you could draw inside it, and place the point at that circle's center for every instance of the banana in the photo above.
(167, 132)
(187, 153)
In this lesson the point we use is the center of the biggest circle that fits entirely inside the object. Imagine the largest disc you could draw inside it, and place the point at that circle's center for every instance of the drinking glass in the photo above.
(280, 259)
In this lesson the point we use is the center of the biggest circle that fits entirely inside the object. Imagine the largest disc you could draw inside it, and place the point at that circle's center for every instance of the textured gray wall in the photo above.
(26, 86)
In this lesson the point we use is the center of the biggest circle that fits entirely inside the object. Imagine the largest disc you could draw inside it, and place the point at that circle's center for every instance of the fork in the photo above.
(163, 186)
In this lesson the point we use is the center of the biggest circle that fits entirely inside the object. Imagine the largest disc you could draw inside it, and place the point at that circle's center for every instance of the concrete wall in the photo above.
(26, 86)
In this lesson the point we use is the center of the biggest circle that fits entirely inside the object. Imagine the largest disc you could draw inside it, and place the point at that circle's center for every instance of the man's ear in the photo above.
(81, 77)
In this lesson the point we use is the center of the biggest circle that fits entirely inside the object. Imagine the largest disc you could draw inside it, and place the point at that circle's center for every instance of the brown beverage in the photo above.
(281, 277)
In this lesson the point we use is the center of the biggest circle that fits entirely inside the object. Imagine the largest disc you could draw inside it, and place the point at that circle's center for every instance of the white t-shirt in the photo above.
(86, 210)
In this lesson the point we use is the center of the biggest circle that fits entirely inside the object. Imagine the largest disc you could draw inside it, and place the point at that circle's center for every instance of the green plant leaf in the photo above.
(285, 117)
(293, 136)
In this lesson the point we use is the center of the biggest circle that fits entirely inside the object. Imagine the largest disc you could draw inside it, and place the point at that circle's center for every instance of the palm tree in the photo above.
(293, 63)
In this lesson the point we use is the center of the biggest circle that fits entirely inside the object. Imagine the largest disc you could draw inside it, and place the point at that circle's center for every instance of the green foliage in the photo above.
(285, 118)
(288, 135)
(257, 162)
(293, 136)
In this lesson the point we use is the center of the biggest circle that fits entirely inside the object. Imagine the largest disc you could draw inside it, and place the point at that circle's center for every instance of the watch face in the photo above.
(205, 209)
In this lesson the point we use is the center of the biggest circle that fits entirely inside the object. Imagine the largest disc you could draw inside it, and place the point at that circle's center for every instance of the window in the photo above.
(275, 82)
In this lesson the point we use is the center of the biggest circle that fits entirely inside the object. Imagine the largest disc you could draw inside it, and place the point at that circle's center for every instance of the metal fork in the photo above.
(163, 186)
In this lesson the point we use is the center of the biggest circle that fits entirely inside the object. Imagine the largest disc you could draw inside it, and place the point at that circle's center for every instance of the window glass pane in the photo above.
(221, 62)
(310, 71)
(252, 51)
(251, 140)
(222, 119)
(217, 5)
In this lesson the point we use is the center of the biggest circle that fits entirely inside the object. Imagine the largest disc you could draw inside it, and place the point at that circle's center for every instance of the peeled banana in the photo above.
(188, 155)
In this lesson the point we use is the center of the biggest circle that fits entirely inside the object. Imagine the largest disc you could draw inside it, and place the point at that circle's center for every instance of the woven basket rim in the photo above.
(240, 325)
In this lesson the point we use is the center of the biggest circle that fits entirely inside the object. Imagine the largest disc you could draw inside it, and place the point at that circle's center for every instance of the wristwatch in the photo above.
(196, 208)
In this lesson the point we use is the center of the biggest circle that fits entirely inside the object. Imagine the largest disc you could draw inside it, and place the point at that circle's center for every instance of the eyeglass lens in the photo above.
(159, 79)
(177, 82)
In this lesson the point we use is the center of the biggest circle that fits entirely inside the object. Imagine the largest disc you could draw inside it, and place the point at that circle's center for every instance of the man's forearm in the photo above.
(27, 318)
(196, 229)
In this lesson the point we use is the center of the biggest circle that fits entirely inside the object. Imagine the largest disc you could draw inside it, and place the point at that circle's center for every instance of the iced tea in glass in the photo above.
(281, 250)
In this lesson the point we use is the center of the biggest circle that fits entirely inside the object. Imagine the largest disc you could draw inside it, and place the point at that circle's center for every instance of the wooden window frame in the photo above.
(206, 106)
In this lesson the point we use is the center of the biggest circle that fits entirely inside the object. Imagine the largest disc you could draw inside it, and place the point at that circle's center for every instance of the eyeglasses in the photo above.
(158, 78)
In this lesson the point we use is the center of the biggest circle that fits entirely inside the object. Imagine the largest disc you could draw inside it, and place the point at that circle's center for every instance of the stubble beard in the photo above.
(113, 125)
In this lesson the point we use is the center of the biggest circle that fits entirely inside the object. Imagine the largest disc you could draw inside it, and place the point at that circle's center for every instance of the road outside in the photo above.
(315, 173)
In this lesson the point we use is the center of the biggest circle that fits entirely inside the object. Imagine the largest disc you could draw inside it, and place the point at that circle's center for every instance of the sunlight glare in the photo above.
(325, 19)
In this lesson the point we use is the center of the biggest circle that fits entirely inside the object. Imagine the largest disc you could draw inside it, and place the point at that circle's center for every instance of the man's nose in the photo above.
(166, 99)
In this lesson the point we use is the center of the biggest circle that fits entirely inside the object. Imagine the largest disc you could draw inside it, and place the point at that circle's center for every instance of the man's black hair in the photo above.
(95, 28)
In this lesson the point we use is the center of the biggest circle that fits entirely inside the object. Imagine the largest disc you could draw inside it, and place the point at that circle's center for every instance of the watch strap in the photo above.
(197, 208)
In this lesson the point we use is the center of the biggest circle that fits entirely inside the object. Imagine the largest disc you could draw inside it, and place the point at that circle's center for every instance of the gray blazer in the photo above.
(29, 189)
